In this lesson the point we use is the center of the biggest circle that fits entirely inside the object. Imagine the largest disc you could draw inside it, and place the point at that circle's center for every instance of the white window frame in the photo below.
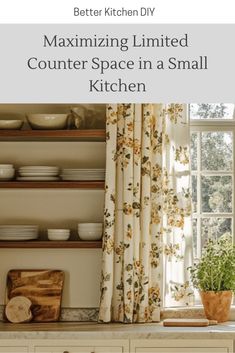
(206, 125)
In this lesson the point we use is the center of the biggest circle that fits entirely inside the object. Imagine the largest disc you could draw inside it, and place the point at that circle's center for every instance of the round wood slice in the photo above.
(18, 310)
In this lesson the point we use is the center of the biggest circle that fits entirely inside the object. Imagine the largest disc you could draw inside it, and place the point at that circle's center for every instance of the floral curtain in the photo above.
(147, 241)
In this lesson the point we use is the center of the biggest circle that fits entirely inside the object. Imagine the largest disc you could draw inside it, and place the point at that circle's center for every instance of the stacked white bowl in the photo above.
(7, 172)
(58, 234)
(90, 231)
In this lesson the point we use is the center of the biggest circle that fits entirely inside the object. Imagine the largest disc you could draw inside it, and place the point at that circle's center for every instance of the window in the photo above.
(212, 158)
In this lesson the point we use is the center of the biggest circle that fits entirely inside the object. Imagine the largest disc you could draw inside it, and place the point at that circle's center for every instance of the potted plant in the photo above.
(214, 276)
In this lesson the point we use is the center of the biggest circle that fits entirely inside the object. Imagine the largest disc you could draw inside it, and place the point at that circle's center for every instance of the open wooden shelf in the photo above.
(47, 244)
(56, 135)
(52, 184)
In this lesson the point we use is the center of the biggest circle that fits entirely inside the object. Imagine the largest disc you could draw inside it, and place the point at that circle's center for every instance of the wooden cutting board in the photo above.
(42, 287)
(188, 322)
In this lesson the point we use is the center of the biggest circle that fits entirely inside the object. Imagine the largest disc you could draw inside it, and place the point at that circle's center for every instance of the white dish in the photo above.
(96, 235)
(11, 124)
(37, 178)
(10, 233)
(7, 173)
(6, 166)
(58, 235)
(62, 237)
(34, 173)
(90, 225)
(58, 230)
(83, 175)
(22, 230)
(38, 168)
(98, 225)
(20, 235)
(18, 230)
(17, 238)
(82, 170)
(81, 178)
(24, 226)
(90, 230)
(47, 121)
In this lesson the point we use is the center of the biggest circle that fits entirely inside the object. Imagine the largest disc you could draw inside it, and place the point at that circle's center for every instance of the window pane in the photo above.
(213, 228)
(216, 194)
(211, 111)
(194, 192)
(217, 150)
(194, 139)
(195, 237)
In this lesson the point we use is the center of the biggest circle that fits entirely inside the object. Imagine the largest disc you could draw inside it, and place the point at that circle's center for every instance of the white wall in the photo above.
(53, 208)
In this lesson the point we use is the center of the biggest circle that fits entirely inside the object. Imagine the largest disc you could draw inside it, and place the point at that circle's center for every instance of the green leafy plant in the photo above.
(215, 270)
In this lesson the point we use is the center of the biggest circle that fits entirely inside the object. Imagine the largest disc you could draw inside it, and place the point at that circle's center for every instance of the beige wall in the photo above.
(82, 271)
(53, 208)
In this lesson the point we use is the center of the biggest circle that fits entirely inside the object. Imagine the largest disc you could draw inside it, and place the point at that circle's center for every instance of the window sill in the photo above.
(194, 312)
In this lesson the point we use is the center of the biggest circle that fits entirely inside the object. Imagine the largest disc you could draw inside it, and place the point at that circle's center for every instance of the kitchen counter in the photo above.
(114, 331)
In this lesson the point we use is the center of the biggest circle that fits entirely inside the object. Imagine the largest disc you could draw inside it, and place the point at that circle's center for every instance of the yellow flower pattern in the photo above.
(147, 211)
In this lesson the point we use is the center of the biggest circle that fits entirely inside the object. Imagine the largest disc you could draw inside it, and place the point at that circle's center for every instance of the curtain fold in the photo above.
(147, 240)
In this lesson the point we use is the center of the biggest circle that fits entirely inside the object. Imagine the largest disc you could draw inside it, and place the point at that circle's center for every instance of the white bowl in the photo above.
(47, 121)
(90, 235)
(6, 166)
(92, 229)
(58, 237)
(61, 231)
(11, 124)
(7, 173)
(57, 234)
(90, 225)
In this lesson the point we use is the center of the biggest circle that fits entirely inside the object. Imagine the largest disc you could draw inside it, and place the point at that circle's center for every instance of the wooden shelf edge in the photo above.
(97, 134)
(50, 244)
(52, 184)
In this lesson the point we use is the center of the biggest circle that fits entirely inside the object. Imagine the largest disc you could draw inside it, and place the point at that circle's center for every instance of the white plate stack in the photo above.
(18, 232)
(83, 174)
(38, 173)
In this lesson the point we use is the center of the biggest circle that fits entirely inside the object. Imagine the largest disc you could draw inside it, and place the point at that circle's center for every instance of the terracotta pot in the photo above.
(217, 304)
